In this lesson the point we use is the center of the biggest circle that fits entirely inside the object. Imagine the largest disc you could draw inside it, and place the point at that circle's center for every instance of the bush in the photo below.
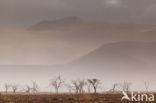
(86, 97)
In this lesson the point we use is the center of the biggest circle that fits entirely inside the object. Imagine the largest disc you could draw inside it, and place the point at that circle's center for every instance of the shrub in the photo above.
(86, 97)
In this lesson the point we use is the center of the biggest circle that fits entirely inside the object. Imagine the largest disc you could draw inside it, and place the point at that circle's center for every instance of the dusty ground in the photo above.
(64, 98)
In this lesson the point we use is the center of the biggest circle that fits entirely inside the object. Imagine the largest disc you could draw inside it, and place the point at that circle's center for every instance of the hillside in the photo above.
(125, 60)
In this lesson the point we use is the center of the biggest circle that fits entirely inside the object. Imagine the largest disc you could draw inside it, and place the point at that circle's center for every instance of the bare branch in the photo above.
(57, 83)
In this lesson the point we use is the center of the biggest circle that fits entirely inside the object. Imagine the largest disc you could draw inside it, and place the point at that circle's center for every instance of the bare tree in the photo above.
(57, 83)
(14, 88)
(126, 86)
(114, 87)
(94, 83)
(146, 84)
(27, 89)
(82, 83)
(7, 86)
(76, 86)
(35, 87)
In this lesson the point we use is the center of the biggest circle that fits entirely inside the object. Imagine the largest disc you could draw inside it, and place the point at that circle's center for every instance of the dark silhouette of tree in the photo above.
(57, 83)
(94, 83)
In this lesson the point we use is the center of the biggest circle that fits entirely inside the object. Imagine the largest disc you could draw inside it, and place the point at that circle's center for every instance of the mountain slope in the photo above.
(126, 60)
(126, 57)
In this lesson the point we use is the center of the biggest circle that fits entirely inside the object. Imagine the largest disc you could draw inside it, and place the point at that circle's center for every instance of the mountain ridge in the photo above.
(65, 23)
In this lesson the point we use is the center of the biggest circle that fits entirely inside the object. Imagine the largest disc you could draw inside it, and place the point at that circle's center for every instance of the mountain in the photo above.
(111, 63)
(64, 23)
(131, 61)
(54, 46)
(112, 58)
(75, 23)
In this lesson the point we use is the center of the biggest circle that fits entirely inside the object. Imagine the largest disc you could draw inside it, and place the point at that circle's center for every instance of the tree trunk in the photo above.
(95, 90)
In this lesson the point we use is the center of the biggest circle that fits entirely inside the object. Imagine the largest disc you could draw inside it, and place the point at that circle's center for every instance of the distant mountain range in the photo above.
(126, 57)
(65, 23)
(129, 61)
(63, 40)
(73, 22)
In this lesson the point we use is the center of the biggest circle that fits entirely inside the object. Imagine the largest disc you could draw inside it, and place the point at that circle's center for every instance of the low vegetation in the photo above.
(62, 98)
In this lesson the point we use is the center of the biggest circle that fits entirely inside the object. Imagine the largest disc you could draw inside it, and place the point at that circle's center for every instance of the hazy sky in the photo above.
(23, 13)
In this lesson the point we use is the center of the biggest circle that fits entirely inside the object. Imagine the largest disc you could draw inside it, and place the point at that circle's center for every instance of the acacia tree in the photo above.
(94, 83)
(7, 86)
(57, 83)
(14, 88)
(78, 86)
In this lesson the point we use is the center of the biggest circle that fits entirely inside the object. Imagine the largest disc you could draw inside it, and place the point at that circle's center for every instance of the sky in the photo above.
(23, 13)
